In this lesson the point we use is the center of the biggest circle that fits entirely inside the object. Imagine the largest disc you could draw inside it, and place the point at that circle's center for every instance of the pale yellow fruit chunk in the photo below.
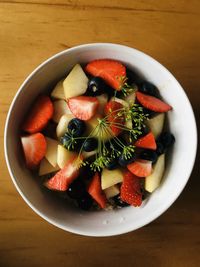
(61, 128)
(111, 191)
(46, 167)
(110, 178)
(156, 124)
(51, 153)
(60, 108)
(58, 91)
(63, 156)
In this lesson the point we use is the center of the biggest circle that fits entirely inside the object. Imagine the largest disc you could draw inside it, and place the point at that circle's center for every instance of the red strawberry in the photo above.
(112, 109)
(63, 178)
(140, 167)
(34, 147)
(147, 141)
(41, 112)
(96, 192)
(113, 72)
(83, 107)
(130, 191)
(152, 103)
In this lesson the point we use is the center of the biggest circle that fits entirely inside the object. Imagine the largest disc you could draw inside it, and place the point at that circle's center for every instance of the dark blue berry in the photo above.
(149, 112)
(76, 127)
(160, 148)
(123, 161)
(119, 202)
(96, 86)
(166, 139)
(149, 155)
(90, 144)
(67, 142)
(76, 189)
(133, 77)
(149, 89)
(111, 165)
(85, 203)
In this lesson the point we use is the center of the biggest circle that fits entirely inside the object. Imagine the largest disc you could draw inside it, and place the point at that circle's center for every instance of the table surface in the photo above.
(32, 31)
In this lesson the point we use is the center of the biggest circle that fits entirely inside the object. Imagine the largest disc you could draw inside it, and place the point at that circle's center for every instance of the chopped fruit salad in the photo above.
(99, 139)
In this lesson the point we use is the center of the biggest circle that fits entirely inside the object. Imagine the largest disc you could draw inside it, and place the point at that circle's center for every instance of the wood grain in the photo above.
(30, 32)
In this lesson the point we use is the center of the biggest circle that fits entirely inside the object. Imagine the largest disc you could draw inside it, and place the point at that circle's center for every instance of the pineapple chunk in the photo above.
(63, 156)
(153, 180)
(156, 124)
(110, 178)
(76, 82)
(60, 108)
(46, 167)
(111, 191)
(63, 123)
(51, 153)
(58, 91)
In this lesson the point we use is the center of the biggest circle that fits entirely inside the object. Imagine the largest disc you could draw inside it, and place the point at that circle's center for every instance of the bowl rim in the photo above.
(74, 230)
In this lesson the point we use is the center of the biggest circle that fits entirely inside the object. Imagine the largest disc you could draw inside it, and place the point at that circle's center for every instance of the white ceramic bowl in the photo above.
(180, 162)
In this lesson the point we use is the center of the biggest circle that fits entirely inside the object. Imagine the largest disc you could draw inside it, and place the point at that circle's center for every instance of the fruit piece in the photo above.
(131, 190)
(62, 126)
(103, 99)
(39, 115)
(51, 152)
(85, 203)
(76, 127)
(60, 108)
(76, 82)
(148, 88)
(58, 91)
(111, 165)
(90, 144)
(65, 176)
(166, 139)
(92, 128)
(153, 181)
(152, 103)
(147, 141)
(160, 148)
(119, 100)
(140, 167)
(111, 71)
(116, 122)
(70, 143)
(76, 189)
(156, 124)
(83, 107)
(111, 191)
(46, 167)
(63, 156)
(149, 155)
(124, 161)
(88, 154)
(34, 147)
(110, 177)
(96, 86)
(133, 77)
(94, 189)
(130, 99)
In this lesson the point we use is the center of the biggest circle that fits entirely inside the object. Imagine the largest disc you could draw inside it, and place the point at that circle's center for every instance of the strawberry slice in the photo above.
(140, 167)
(130, 191)
(111, 71)
(63, 178)
(41, 112)
(34, 147)
(152, 103)
(83, 107)
(96, 192)
(116, 122)
(147, 141)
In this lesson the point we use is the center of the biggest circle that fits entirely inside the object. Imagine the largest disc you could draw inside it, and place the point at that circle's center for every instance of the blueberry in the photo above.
(90, 144)
(149, 155)
(66, 141)
(96, 86)
(77, 189)
(76, 127)
(149, 89)
(112, 164)
(85, 203)
(133, 77)
(149, 112)
(125, 161)
(160, 148)
(166, 139)
(120, 202)
(86, 172)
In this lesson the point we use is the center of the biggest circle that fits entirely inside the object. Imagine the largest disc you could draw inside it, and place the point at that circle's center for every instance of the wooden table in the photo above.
(30, 32)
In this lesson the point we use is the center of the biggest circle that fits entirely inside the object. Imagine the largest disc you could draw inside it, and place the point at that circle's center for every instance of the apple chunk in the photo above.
(46, 167)
(60, 108)
(156, 124)
(76, 82)
(63, 123)
(63, 156)
(153, 180)
(58, 91)
(110, 178)
(111, 191)
(51, 153)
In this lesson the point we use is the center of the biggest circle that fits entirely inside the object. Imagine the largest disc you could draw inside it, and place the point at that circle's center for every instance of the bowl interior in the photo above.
(180, 160)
